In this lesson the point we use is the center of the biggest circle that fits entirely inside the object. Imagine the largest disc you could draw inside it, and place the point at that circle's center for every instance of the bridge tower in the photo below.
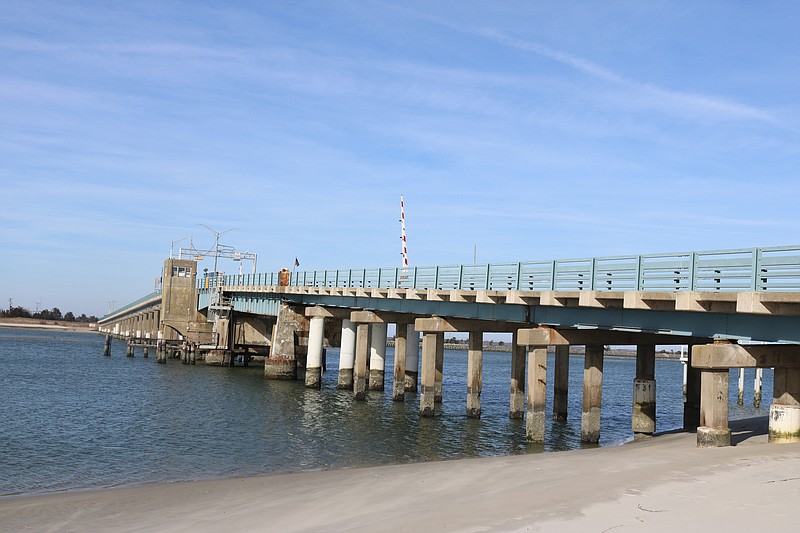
(180, 319)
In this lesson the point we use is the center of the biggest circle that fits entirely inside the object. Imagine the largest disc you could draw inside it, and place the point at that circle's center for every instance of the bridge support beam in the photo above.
(347, 355)
(643, 419)
(360, 368)
(517, 399)
(592, 393)
(400, 352)
(412, 359)
(784, 413)
(430, 348)
(474, 374)
(561, 383)
(536, 394)
(377, 357)
(316, 337)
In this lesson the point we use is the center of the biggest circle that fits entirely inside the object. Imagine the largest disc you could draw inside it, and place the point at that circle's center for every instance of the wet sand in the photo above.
(659, 484)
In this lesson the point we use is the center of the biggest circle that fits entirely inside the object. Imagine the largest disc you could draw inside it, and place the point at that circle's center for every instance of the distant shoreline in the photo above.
(53, 325)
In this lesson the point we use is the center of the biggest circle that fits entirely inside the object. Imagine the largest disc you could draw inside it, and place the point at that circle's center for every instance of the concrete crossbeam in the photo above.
(452, 325)
(746, 356)
(327, 312)
(545, 336)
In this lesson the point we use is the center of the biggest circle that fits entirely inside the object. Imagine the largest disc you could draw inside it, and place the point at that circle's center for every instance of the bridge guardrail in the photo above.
(748, 269)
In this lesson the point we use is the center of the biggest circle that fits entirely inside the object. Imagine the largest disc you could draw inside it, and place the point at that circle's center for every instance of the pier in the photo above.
(733, 309)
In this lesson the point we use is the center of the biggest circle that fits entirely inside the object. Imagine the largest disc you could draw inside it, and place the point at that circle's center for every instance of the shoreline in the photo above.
(51, 325)
(655, 484)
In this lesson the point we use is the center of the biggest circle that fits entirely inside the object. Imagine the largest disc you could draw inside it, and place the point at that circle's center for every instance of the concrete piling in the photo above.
(439, 374)
(561, 383)
(713, 430)
(592, 393)
(360, 367)
(400, 351)
(740, 388)
(474, 374)
(412, 359)
(377, 357)
(758, 382)
(691, 405)
(316, 338)
(784, 413)
(430, 348)
(643, 419)
(536, 394)
(517, 400)
(107, 346)
(130, 349)
(347, 355)
(146, 351)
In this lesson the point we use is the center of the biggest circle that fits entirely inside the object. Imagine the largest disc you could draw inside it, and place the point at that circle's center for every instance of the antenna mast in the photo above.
(404, 251)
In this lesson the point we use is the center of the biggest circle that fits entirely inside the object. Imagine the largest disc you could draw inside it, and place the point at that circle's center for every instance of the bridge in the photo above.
(732, 308)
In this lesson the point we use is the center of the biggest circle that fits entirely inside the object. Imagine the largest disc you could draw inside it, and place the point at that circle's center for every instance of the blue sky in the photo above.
(534, 130)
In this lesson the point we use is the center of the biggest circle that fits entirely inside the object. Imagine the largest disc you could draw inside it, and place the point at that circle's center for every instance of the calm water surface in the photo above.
(71, 419)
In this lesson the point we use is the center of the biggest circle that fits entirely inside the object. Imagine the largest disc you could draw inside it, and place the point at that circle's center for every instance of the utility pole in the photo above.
(217, 235)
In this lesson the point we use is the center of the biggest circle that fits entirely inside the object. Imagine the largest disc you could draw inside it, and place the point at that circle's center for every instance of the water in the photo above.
(71, 419)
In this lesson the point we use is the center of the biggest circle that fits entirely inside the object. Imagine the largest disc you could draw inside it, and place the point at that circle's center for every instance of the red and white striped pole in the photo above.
(403, 232)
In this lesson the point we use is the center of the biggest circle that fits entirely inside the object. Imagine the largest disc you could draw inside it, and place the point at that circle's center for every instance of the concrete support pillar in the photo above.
(713, 430)
(377, 356)
(536, 394)
(130, 349)
(107, 346)
(430, 347)
(740, 388)
(474, 374)
(784, 413)
(347, 355)
(517, 400)
(412, 358)
(643, 419)
(185, 354)
(399, 381)
(561, 383)
(437, 398)
(592, 393)
(283, 358)
(360, 368)
(758, 382)
(316, 337)
(193, 353)
(691, 405)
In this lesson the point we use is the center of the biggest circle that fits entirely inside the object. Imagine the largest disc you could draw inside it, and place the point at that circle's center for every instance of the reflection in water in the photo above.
(73, 419)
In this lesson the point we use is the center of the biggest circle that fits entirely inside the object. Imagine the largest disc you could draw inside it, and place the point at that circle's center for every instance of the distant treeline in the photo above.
(46, 314)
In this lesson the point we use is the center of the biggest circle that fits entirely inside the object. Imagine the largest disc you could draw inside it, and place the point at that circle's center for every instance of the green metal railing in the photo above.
(752, 269)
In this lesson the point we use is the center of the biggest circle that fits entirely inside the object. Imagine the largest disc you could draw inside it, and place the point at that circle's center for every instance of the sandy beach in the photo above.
(659, 484)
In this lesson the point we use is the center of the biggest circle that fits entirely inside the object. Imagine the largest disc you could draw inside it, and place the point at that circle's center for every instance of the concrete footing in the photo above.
(345, 379)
